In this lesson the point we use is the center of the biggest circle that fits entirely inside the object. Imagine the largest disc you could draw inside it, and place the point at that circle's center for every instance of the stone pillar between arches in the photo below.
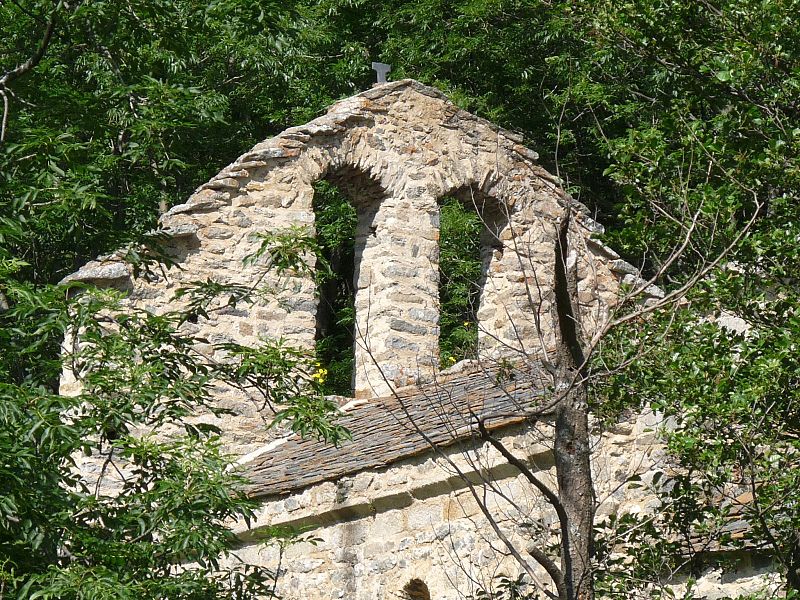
(397, 293)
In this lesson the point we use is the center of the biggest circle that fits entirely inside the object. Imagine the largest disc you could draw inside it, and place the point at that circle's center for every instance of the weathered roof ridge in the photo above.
(287, 144)
(385, 89)
(111, 270)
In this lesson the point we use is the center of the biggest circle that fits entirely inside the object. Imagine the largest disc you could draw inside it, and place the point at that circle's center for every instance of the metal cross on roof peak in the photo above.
(381, 69)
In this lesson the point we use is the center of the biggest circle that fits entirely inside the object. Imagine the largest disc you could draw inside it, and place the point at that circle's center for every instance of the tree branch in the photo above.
(549, 565)
(4, 121)
(23, 68)
(567, 319)
(549, 495)
(34, 60)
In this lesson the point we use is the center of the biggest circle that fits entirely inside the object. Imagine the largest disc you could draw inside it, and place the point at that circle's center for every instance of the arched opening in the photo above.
(347, 205)
(336, 220)
(394, 312)
(460, 277)
(375, 313)
(416, 589)
(469, 242)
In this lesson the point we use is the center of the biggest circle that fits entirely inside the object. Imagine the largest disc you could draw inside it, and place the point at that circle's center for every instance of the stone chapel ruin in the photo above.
(394, 508)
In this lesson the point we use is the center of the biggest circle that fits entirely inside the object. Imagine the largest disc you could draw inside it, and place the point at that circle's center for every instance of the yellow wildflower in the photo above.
(320, 375)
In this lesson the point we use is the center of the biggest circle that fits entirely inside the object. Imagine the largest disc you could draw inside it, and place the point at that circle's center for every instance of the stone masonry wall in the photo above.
(377, 530)
(396, 150)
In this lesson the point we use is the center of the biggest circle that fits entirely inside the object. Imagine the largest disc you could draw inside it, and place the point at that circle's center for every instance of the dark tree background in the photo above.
(676, 121)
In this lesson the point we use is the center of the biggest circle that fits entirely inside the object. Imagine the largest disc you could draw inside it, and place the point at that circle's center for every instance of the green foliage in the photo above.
(336, 222)
(666, 117)
(640, 554)
(736, 434)
(132, 106)
(63, 536)
(696, 116)
(460, 272)
(151, 519)
(287, 251)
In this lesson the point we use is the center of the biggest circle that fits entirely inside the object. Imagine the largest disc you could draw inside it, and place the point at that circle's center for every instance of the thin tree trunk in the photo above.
(571, 447)
(575, 492)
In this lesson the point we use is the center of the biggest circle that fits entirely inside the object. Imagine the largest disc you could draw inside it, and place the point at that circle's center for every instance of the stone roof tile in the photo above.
(386, 430)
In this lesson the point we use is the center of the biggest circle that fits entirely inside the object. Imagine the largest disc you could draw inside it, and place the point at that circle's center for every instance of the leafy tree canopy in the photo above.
(676, 121)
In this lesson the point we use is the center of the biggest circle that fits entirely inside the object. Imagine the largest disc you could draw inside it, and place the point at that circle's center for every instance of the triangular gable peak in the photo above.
(396, 150)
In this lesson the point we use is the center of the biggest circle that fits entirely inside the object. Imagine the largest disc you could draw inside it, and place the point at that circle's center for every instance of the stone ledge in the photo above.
(103, 274)
(396, 486)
